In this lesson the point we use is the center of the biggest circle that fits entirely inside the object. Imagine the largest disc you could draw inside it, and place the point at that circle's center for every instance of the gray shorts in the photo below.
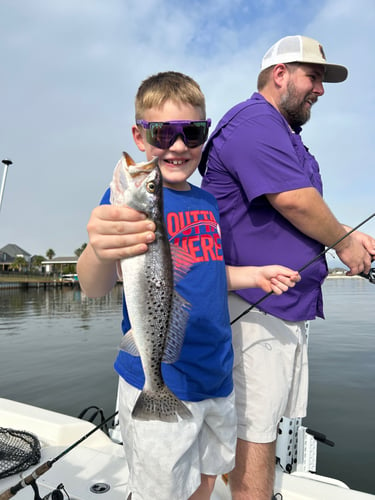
(270, 371)
(166, 459)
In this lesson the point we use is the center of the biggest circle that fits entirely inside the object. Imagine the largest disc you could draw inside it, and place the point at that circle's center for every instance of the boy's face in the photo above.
(178, 162)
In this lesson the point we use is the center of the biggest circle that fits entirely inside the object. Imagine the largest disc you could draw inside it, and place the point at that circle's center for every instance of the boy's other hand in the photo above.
(277, 279)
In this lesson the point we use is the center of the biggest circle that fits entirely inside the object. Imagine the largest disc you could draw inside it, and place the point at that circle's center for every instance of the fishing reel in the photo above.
(56, 494)
(370, 276)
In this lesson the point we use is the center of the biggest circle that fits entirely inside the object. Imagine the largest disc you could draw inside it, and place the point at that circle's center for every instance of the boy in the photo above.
(177, 460)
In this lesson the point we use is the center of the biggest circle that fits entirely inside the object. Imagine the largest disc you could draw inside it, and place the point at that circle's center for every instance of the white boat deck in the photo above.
(98, 462)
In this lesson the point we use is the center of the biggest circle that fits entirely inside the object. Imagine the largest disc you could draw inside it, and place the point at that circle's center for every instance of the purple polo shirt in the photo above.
(253, 152)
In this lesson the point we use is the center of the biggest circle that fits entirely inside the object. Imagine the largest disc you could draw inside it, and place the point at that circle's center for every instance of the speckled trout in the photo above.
(157, 313)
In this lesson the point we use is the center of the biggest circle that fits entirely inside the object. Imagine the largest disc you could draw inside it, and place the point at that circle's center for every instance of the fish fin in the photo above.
(128, 344)
(182, 262)
(177, 327)
(160, 405)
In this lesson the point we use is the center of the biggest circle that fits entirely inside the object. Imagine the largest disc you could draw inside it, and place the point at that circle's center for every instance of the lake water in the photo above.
(57, 350)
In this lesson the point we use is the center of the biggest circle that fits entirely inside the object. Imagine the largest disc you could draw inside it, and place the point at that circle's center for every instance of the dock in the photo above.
(26, 284)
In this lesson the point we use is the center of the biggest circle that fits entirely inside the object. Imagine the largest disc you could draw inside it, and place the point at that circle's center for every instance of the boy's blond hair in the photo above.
(170, 85)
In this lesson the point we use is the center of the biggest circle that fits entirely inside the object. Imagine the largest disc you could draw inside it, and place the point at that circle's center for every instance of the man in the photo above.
(269, 192)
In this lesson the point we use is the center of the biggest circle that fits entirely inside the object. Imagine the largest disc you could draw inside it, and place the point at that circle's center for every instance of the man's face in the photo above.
(304, 85)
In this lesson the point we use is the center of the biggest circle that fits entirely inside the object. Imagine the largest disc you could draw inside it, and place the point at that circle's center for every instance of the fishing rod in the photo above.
(42, 469)
(370, 276)
(6, 162)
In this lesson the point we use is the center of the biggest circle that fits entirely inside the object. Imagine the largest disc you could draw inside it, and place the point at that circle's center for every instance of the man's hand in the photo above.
(356, 251)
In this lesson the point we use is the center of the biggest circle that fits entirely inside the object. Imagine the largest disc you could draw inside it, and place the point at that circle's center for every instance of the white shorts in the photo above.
(166, 459)
(270, 371)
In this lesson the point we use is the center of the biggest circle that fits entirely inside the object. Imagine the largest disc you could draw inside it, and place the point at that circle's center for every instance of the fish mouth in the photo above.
(136, 169)
(129, 160)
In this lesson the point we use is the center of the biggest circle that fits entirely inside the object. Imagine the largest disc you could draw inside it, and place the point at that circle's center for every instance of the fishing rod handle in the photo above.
(13, 490)
(47, 465)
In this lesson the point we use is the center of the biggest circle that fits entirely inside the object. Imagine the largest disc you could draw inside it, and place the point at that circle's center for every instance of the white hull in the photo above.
(99, 460)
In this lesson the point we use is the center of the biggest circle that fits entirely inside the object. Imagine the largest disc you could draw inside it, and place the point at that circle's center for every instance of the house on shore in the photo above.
(9, 253)
(57, 264)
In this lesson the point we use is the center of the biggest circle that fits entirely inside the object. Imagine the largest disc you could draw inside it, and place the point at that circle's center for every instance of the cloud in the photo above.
(71, 70)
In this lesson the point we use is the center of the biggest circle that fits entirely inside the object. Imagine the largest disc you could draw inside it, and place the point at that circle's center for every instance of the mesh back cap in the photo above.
(302, 49)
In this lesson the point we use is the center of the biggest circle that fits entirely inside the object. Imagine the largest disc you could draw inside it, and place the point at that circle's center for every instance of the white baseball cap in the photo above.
(302, 49)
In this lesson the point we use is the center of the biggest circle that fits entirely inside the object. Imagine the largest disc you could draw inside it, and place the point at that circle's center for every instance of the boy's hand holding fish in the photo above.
(117, 232)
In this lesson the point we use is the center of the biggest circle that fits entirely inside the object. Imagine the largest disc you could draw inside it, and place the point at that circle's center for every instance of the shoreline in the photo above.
(337, 276)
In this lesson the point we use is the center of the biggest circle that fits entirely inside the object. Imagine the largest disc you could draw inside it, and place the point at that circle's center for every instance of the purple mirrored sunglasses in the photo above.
(163, 134)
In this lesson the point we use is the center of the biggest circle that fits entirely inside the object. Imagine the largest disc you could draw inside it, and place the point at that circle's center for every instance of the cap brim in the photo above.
(335, 73)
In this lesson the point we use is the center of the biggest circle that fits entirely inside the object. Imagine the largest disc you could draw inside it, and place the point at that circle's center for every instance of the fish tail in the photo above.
(160, 405)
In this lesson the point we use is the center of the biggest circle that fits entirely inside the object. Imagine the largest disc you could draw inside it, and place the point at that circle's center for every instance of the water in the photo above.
(57, 350)
(342, 382)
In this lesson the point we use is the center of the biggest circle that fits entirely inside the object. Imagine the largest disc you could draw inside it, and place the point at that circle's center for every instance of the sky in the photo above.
(70, 71)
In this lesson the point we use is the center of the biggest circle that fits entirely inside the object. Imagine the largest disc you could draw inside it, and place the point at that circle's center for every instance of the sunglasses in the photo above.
(163, 134)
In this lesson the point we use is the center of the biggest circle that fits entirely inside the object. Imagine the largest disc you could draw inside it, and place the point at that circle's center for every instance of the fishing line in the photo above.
(314, 259)
(31, 478)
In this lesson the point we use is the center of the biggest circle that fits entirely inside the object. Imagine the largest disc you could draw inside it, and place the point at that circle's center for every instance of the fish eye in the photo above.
(150, 187)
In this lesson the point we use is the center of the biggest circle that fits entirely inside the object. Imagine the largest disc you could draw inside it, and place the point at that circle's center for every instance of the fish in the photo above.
(158, 314)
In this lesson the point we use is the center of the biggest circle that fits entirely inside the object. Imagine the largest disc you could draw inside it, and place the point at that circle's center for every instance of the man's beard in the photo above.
(293, 109)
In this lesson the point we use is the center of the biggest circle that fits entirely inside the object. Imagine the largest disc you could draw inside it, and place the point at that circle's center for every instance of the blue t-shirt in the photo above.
(204, 369)
(253, 152)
